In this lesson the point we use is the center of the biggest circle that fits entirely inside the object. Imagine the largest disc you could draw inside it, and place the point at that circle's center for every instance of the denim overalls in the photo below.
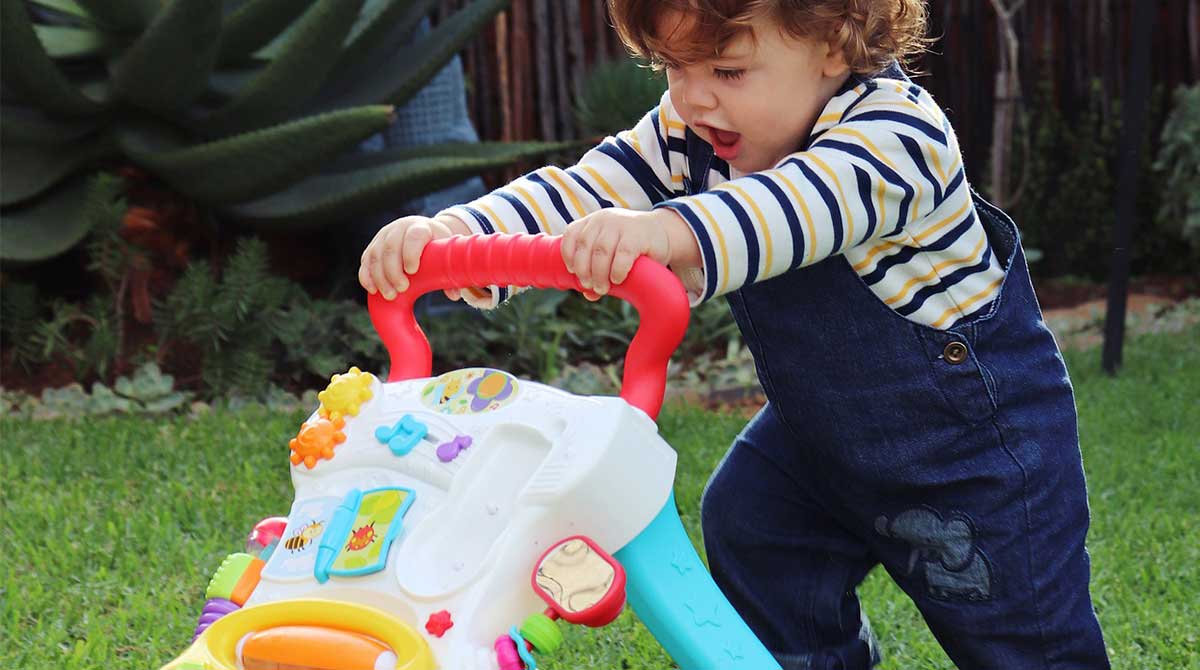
(950, 457)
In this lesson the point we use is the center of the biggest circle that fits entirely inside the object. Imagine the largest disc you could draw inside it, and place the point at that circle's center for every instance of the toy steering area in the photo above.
(448, 522)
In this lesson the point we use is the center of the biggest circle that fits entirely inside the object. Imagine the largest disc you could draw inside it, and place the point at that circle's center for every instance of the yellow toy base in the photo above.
(216, 648)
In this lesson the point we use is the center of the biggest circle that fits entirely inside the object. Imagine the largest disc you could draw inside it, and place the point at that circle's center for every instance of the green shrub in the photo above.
(1178, 165)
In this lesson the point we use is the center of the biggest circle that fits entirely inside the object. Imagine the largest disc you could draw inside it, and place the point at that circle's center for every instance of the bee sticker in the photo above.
(304, 537)
(470, 391)
(297, 551)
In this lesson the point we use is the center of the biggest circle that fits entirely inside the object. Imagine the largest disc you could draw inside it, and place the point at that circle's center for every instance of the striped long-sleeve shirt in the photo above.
(880, 182)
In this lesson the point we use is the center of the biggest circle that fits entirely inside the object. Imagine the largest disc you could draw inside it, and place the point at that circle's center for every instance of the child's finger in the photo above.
(364, 277)
(581, 260)
(622, 263)
(603, 249)
(414, 244)
(453, 293)
(390, 277)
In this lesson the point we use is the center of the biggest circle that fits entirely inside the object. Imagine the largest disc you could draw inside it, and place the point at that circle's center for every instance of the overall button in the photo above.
(955, 353)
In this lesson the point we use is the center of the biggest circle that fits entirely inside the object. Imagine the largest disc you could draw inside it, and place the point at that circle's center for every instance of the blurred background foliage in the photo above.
(177, 177)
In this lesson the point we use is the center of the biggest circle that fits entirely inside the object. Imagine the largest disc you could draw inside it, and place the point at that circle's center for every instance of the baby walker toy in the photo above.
(447, 522)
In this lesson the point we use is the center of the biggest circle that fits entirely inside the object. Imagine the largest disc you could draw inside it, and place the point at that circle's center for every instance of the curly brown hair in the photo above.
(871, 33)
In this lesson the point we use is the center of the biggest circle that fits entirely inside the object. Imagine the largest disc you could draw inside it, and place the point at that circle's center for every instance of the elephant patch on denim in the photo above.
(945, 549)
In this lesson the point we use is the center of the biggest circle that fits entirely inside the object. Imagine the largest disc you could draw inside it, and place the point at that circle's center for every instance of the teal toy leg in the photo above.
(673, 594)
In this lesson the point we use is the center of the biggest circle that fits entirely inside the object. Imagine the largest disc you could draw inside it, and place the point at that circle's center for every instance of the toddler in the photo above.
(919, 414)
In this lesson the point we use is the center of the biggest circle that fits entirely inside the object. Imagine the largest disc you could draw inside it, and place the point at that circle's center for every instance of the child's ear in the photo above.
(834, 64)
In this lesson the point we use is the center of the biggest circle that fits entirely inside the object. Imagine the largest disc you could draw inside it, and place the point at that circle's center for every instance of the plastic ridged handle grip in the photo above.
(536, 260)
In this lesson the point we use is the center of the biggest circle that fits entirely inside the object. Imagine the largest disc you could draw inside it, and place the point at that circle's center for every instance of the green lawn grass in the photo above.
(111, 528)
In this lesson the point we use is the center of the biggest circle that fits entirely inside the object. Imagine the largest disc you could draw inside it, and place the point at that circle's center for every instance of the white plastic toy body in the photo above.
(542, 465)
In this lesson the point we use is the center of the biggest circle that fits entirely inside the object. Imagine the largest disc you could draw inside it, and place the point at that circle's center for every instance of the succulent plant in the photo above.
(249, 107)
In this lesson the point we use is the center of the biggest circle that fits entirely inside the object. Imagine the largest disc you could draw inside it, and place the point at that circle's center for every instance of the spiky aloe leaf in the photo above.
(30, 169)
(121, 15)
(379, 21)
(70, 42)
(254, 24)
(30, 126)
(416, 64)
(254, 164)
(307, 55)
(46, 227)
(28, 69)
(168, 66)
(69, 7)
(354, 192)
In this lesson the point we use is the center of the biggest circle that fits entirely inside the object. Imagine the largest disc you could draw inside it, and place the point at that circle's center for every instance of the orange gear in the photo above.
(316, 441)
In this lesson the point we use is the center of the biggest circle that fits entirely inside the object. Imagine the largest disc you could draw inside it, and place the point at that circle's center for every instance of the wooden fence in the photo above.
(524, 71)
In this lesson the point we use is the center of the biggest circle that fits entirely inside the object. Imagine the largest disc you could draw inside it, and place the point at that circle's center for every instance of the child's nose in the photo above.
(696, 93)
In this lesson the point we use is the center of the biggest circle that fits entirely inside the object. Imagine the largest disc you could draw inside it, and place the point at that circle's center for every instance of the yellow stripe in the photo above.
(493, 218)
(762, 225)
(871, 254)
(934, 272)
(905, 104)
(632, 138)
(676, 179)
(832, 117)
(562, 184)
(962, 309)
(605, 185)
(849, 216)
(812, 232)
(866, 142)
(937, 163)
(720, 242)
(944, 222)
(912, 211)
(880, 216)
(537, 210)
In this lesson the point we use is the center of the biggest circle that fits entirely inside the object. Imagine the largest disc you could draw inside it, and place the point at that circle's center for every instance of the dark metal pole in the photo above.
(1134, 108)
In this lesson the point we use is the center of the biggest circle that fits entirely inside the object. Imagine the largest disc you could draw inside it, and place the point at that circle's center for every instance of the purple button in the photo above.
(449, 451)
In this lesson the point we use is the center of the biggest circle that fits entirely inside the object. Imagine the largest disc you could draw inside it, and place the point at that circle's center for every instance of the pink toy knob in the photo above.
(506, 654)
(535, 260)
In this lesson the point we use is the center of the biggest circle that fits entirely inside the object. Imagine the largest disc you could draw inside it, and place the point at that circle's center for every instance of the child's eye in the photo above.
(725, 73)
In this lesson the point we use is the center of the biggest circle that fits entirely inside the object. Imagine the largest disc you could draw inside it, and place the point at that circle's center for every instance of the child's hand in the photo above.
(601, 247)
(396, 250)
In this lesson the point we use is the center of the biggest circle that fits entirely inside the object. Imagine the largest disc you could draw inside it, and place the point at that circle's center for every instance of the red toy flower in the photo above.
(439, 623)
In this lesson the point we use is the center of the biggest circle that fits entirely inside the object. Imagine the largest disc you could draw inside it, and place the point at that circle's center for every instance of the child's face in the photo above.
(758, 100)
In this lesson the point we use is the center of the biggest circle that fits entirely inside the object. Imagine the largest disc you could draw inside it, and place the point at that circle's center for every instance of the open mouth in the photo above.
(726, 143)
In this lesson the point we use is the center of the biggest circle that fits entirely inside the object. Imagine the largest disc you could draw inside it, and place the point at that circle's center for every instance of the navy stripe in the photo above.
(658, 135)
(918, 158)
(906, 119)
(871, 88)
(482, 220)
(886, 172)
(627, 158)
(904, 255)
(789, 212)
(501, 294)
(946, 282)
(677, 144)
(914, 92)
(955, 182)
(831, 203)
(588, 187)
(752, 251)
(706, 246)
(721, 166)
(864, 192)
(555, 197)
(527, 217)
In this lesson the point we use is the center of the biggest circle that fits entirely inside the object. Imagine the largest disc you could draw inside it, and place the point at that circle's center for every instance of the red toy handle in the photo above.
(535, 260)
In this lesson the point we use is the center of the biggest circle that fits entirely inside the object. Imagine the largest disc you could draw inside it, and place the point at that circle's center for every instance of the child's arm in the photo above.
(634, 170)
(882, 158)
